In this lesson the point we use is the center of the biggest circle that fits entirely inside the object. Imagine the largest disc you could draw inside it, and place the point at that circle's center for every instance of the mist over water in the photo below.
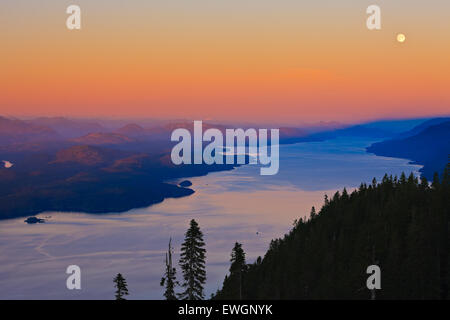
(238, 205)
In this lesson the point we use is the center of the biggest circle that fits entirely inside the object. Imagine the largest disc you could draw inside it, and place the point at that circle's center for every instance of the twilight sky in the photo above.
(251, 60)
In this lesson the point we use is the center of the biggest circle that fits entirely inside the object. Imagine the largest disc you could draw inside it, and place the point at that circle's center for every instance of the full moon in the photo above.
(401, 37)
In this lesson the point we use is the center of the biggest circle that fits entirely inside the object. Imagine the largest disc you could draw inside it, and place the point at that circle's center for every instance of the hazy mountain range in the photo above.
(427, 144)
(84, 165)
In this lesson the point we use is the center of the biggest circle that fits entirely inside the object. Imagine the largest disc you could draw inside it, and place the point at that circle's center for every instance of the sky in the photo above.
(246, 60)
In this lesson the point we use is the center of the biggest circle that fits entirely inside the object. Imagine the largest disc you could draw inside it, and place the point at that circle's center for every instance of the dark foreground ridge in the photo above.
(401, 225)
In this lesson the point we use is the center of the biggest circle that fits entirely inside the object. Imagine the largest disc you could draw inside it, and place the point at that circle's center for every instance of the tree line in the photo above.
(401, 224)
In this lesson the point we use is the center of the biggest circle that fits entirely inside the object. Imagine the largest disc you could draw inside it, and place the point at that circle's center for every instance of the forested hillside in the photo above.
(427, 144)
(400, 224)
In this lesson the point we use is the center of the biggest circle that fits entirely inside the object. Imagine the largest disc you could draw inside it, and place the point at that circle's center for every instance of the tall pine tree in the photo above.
(169, 279)
(192, 263)
(233, 283)
(121, 287)
(237, 267)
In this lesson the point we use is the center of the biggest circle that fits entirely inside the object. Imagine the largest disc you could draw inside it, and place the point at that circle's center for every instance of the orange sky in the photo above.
(250, 60)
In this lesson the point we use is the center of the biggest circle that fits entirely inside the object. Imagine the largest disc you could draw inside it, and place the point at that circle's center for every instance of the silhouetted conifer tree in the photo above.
(237, 267)
(121, 287)
(192, 263)
(169, 279)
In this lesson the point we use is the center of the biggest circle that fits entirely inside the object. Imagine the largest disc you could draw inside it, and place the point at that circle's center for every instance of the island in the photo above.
(185, 184)
(33, 220)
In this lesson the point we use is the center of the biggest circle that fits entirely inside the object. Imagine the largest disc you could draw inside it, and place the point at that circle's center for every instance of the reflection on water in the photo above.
(238, 205)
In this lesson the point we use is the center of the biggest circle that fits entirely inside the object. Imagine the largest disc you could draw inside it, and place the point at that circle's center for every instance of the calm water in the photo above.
(238, 205)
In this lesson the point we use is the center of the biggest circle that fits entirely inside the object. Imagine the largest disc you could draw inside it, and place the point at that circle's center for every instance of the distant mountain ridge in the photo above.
(421, 127)
(101, 138)
(68, 128)
(376, 129)
(17, 131)
(132, 129)
(86, 155)
(429, 147)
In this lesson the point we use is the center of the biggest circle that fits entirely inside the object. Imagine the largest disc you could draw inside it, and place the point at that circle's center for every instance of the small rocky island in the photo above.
(185, 184)
(33, 220)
